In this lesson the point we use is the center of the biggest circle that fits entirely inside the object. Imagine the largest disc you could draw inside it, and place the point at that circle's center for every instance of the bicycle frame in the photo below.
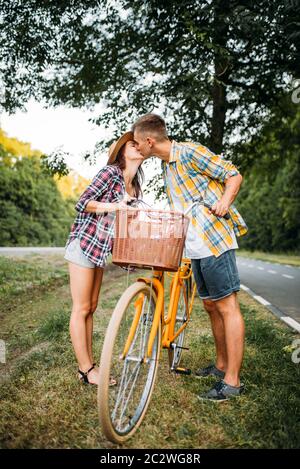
(183, 273)
(168, 323)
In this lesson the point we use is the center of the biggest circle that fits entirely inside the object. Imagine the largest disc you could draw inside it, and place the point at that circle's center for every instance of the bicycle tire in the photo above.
(108, 356)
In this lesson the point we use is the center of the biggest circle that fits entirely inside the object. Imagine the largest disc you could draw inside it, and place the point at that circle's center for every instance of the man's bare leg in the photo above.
(234, 328)
(218, 330)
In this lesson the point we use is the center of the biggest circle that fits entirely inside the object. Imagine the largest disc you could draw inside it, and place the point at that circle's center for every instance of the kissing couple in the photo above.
(189, 169)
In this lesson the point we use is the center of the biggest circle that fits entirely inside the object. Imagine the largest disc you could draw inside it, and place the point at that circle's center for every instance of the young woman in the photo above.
(90, 243)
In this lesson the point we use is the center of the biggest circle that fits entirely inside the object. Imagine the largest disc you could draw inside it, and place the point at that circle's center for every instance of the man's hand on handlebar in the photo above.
(220, 208)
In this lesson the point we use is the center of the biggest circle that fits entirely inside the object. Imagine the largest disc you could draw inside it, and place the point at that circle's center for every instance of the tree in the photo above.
(213, 67)
(11, 149)
(35, 208)
(270, 196)
(33, 212)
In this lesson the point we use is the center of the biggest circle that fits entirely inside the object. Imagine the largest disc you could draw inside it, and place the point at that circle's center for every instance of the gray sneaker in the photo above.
(222, 391)
(210, 370)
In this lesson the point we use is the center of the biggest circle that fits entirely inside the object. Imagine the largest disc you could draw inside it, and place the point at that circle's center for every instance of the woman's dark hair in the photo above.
(138, 178)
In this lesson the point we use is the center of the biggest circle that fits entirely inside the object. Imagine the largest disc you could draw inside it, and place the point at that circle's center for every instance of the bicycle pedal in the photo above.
(178, 346)
(182, 371)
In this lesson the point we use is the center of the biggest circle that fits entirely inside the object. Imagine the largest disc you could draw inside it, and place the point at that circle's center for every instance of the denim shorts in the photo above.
(75, 254)
(216, 277)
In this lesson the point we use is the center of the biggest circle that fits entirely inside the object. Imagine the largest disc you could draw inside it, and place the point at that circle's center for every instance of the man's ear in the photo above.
(150, 142)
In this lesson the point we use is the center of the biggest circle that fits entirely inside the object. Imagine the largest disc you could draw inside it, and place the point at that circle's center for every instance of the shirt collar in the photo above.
(174, 154)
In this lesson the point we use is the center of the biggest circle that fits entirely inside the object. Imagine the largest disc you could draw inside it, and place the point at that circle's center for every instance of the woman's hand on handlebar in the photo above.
(125, 203)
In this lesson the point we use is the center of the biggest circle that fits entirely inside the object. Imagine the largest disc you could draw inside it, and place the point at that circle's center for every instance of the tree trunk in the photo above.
(218, 117)
(221, 74)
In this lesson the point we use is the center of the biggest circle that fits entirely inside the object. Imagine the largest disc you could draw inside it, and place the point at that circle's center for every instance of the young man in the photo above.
(190, 169)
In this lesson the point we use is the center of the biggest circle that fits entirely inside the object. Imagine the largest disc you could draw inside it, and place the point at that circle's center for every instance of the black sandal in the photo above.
(84, 376)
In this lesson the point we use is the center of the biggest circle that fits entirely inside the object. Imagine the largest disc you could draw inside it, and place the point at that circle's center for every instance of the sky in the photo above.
(48, 129)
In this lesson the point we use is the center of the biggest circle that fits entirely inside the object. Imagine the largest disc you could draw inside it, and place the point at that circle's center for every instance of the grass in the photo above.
(44, 406)
(286, 258)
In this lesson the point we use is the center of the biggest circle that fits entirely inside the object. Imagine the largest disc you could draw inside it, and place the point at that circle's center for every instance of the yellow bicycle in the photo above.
(137, 331)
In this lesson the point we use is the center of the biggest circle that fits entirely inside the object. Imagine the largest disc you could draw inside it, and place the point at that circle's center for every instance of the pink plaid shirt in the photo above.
(96, 231)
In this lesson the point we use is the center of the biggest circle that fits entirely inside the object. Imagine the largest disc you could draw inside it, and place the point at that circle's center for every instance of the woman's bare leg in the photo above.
(98, 276)
(81, 284)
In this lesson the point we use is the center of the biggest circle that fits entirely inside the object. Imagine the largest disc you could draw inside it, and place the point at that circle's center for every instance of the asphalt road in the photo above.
(278, 284)
(30, 250)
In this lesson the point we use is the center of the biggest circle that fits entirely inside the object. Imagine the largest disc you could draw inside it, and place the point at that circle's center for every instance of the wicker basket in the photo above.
(149, 238)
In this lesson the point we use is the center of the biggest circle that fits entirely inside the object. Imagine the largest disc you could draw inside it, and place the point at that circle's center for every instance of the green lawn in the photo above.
(291, 259)
(44, 406)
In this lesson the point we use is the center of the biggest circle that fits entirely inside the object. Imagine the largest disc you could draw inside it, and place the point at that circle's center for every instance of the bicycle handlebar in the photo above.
(199, 201)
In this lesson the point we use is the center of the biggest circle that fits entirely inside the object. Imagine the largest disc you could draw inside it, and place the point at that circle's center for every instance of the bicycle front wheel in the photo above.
(122, 407)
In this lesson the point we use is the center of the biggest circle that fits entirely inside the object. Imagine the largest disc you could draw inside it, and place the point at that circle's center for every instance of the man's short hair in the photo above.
(151, 124)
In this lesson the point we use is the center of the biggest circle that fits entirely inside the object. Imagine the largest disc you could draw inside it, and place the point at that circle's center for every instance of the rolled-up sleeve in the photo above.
(97, 188)
(214, 166)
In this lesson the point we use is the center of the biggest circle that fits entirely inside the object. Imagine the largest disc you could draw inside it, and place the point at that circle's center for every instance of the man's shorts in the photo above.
(216, 277)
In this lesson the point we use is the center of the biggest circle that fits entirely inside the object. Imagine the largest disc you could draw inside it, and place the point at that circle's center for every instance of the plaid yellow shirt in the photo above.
(194, 169)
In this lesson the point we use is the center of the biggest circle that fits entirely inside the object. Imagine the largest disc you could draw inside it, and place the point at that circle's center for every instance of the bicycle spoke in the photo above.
(146, 330)
(136, 372)
(124, 407)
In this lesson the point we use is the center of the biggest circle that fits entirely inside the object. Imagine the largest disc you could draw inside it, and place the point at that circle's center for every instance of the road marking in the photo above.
(250, 265)
(287, 276)
(273, 309)
(272, 271)
(291, 322)
(261, 268)
(261, 300)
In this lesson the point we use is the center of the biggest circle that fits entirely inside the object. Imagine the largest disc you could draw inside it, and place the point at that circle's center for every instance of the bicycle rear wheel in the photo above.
(175, 351)
(123, 407)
